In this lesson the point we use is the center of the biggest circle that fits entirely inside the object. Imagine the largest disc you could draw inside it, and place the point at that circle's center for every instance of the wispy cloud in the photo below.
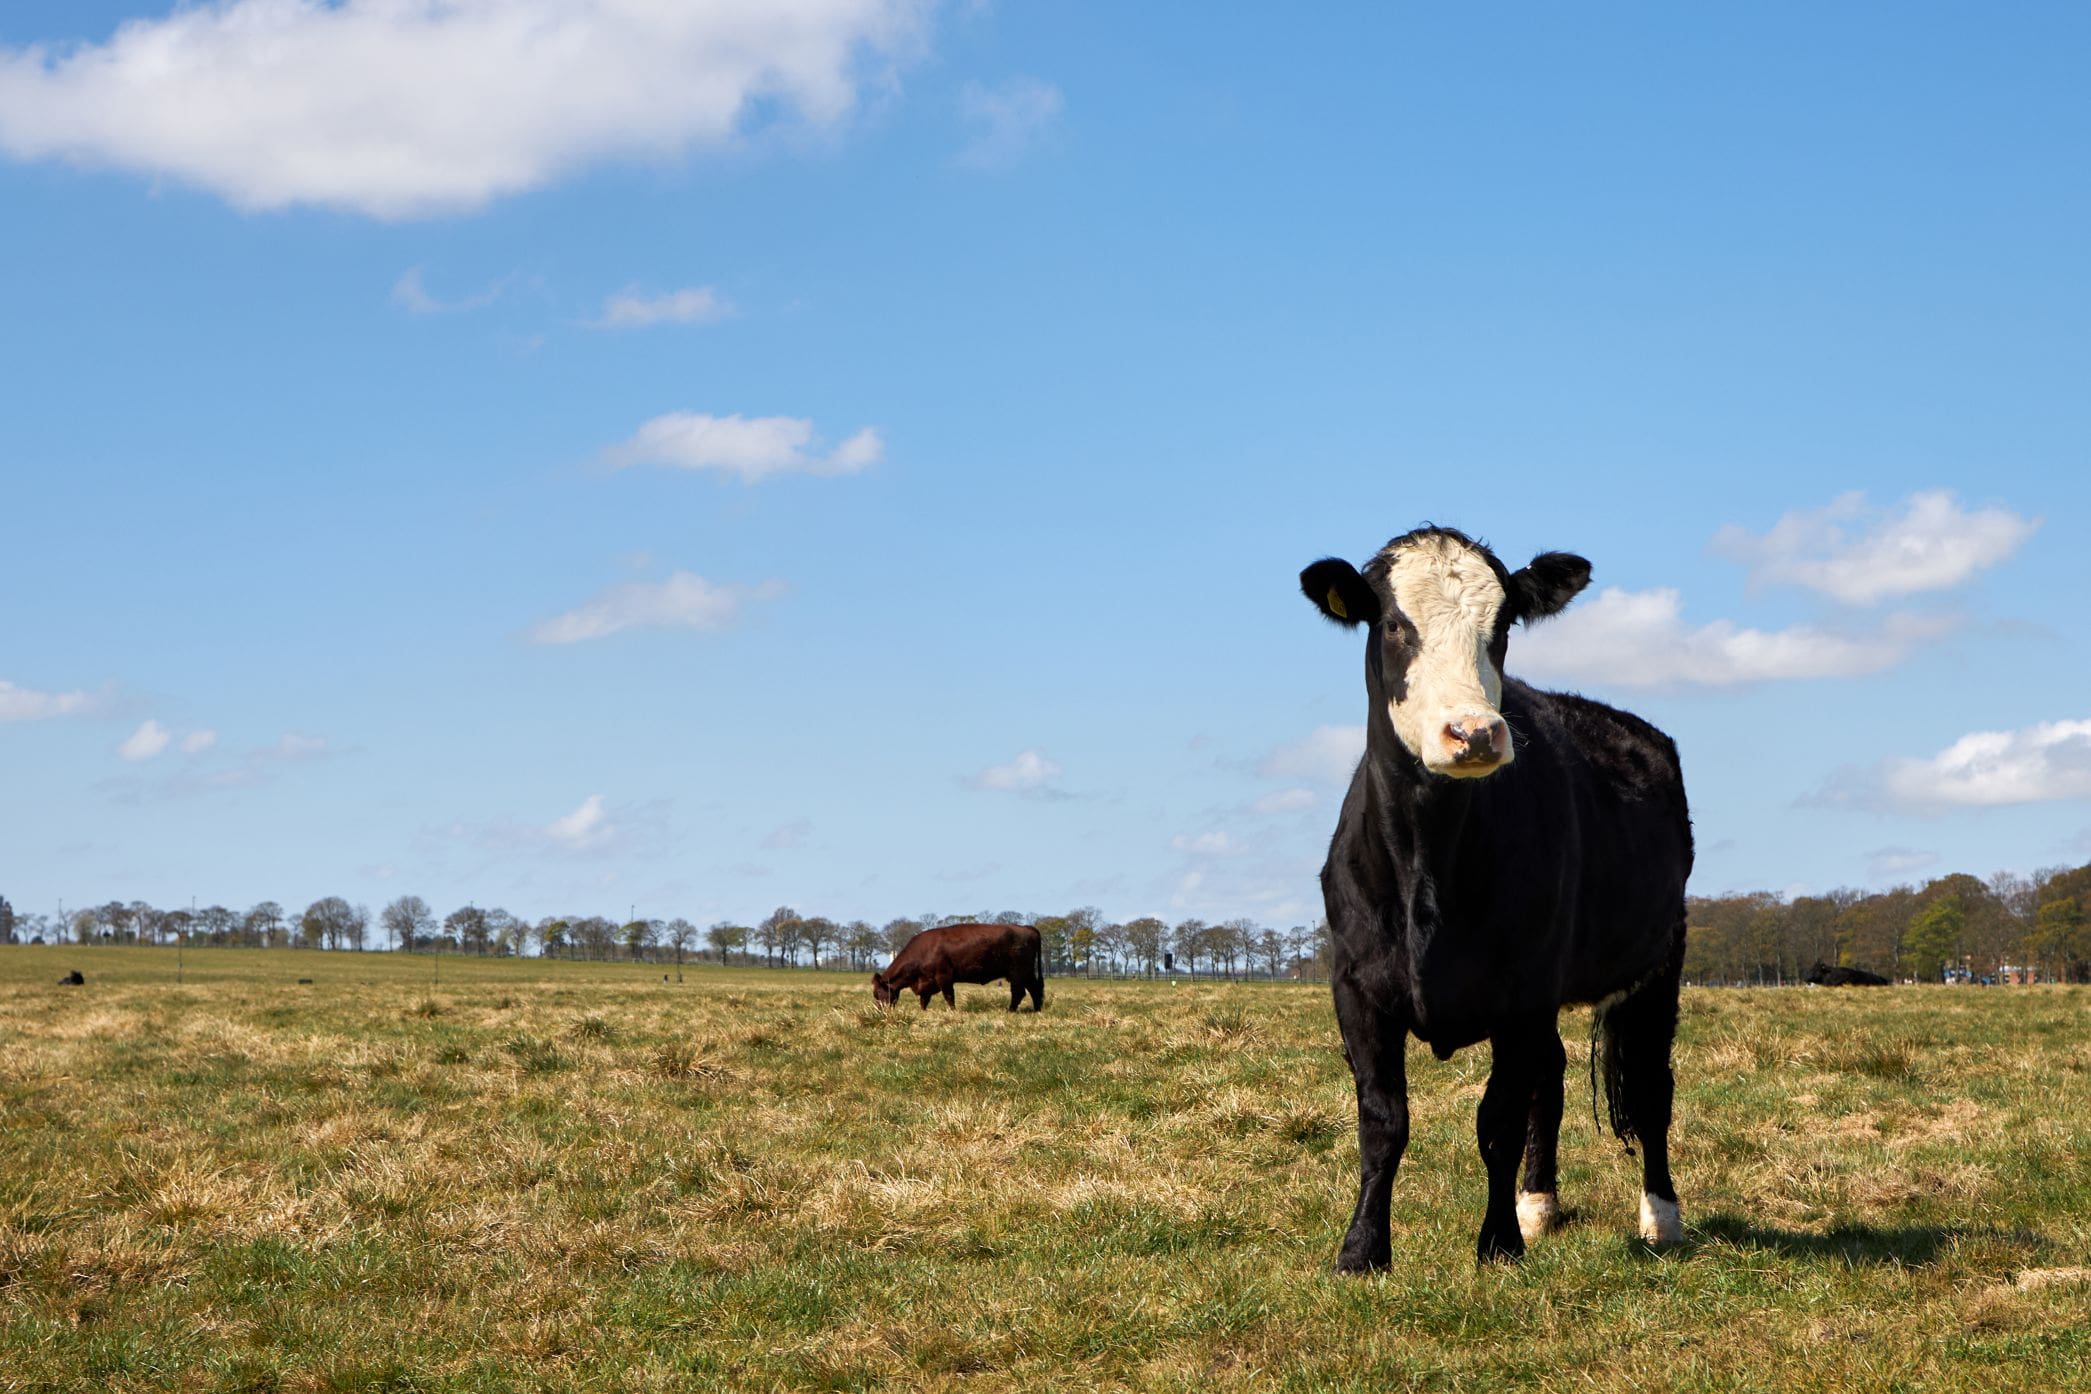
(412, 295)
(1215, 843)
(1640, 639)
(1286, 801)
(1326, 755)
(786, 837)
(1007, 121)
(751, 448)
(633, 309)
(411, 108)
(1861, 555)
(1885, 863)
(249, 769)
(147, 741)
(683, 601)
(584, 829)
(1983, 769)
(1031, 772)
(29, 704)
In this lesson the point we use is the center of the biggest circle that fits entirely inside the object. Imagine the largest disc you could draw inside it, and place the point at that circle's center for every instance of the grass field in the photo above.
(573, 1176)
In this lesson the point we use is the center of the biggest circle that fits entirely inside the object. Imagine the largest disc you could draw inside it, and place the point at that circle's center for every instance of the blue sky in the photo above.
(857, 454)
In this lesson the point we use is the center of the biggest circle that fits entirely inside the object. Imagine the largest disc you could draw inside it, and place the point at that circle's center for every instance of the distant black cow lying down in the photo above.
(1822, 975)
(933, 960)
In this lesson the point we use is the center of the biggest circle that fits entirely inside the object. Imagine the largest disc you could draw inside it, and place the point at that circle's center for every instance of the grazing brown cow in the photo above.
(933, 960)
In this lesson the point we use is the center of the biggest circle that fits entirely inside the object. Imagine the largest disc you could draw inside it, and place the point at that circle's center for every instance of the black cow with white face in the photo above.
(1502, 852)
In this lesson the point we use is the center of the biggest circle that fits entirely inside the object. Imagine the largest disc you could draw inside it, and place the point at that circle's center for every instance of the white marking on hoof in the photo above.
(1538, 1212)
(1660, 1221)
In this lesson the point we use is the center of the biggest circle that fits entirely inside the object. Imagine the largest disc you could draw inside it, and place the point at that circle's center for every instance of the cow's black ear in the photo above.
(1339, 592)
(1546, 585)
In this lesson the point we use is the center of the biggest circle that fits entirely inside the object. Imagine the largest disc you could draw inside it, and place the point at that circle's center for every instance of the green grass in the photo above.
(573, 1176)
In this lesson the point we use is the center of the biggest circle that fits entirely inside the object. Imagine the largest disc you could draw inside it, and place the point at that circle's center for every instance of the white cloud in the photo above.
(630, 309)
(683, 601)
(147, 741)
(1983, 769)
(199, 742)
(1217, 843)
(1007, 121)
(1884, 863)
(1031, 772)
(293, 745)
(1326, 755)
(410, 108)
(753, 448)
(584, 829)
(1861, 556)
(411, 295)
(28, 704)
(1639, 639)
(1286, 801)
(789, 836)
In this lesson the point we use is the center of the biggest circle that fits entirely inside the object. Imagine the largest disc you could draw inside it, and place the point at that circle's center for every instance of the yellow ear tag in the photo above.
(1336, 605)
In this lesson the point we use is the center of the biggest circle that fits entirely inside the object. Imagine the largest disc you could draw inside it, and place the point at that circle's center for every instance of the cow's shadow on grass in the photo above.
(1849, 1244)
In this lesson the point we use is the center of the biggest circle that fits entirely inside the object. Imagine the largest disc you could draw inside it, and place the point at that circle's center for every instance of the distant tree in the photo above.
(595, 936)
(1055, 936)
(638, 936)
(7, 921)
(816, 930)
(727, 938)
(554, 934)
(467, 927)
(2061, 939)
(1188, 940)
(678, 934)
(264, 926)
(1081, 947)
(86, 926)
(861, 942)
(1933, 938)
(327, 923)
(406, 920)
(1146, 937)
(894, 935)
(776, 932)
(1270, 947)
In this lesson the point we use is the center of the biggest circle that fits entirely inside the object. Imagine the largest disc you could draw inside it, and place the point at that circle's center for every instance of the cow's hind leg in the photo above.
(1016, 991)
(1538, 1204)
(1638, 1031)
(1375, 1038)
(1499, 1126)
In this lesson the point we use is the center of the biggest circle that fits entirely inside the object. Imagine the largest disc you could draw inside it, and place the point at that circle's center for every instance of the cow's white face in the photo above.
(1440, 607)
(1441, 656)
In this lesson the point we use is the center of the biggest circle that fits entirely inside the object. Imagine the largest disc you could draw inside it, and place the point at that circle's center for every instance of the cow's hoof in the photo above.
(1661, 1223)
(1538, 1212)
(1499, 1247)
(1366, 1257)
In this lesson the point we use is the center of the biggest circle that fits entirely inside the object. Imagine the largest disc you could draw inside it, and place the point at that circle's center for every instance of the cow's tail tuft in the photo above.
(1605, 1048)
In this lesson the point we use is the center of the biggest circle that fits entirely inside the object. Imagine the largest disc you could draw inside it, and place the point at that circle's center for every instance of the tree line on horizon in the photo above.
(1955, 925)
(1079, 941)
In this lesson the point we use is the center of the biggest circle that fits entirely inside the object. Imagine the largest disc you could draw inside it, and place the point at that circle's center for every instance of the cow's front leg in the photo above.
(1499, 1126)
(1375, 1037)
(1538, 1204)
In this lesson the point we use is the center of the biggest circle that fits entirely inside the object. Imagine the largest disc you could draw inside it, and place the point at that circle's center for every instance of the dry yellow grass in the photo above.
(568, 1176)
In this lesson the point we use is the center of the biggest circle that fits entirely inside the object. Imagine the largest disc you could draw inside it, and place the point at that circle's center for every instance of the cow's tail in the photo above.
(1605, 1047)
(1651, 1007)
(1038, 972)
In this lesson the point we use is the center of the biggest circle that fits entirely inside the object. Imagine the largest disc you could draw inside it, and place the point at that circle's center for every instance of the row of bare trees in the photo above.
(1953, 927)
(1079, 941)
